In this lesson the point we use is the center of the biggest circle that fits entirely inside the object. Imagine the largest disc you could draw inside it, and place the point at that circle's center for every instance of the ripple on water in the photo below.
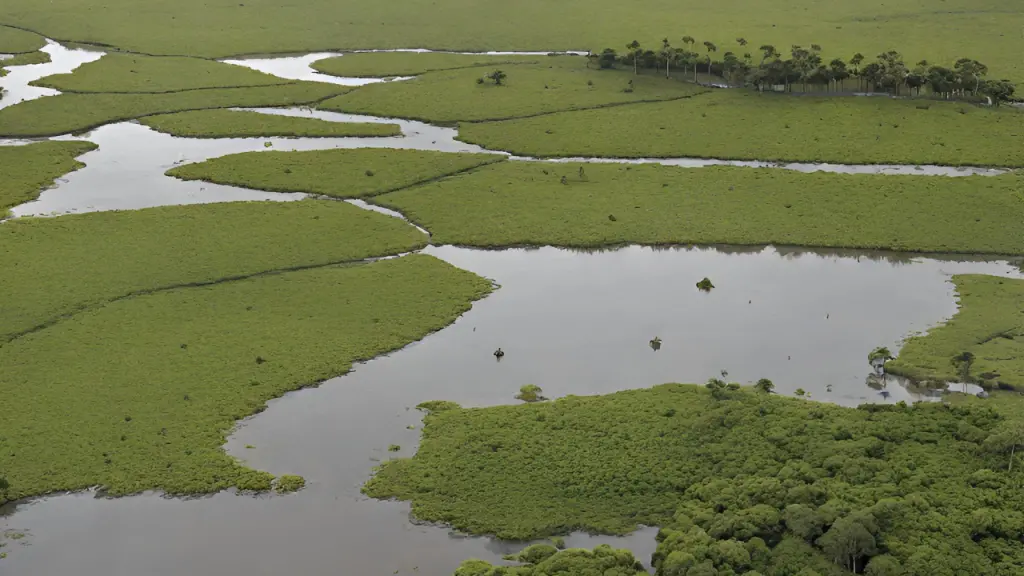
(571, 322)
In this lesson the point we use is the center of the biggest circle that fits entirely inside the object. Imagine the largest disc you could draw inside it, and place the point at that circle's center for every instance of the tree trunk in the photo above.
(1012, 448)
(667, 64)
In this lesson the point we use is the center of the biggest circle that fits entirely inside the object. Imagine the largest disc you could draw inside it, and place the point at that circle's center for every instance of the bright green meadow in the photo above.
(59, 266)
(136, 73)
(342, 173)
(73, 113)
(222, 123)
(555, 83)
(989, 325)
(739, 480)
(526, 203)
(374, 64)
(140, 393)
(27, 170)
(745, 125)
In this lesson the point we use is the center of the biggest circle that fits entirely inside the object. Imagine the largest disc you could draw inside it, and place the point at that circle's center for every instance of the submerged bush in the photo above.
(530, 393)
(705, 285)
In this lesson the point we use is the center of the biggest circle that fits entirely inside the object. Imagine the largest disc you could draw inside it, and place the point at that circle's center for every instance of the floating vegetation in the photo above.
(705, 285)
(287, 483)
(655, 343)
(530, 393)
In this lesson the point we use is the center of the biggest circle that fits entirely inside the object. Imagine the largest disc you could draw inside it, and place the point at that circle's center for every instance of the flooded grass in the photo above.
(246, 124)
(29, 169)
(732, 468)
(555, 83)
(989, 325)
(69, 113)
(745, 125)
(527, 203)
(356, 173)
(136, 73)
(63, 264)
(377, 64)
(140, 394)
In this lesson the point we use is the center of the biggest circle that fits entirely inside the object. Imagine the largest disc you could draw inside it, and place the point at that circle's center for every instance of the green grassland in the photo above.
(23, 60)
(15, 41)
(72, 113)
(56, 266)
(526, 203)
(29, 169)
(739, 480)
(140, 394)
(373, 64)
(556, 83)
(354, 173)
(989, 324)
(148, 74)
(745, 125)
(221, 123)
(989, 30)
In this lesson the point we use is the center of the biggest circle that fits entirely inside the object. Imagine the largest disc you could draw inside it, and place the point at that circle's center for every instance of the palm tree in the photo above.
(855, 63)
(689, 41)
(711, 48)
(634, 47)
(741, 41)
(666, 51)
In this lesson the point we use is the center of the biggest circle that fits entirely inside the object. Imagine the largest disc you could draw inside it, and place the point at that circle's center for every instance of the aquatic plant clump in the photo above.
(530, 393)
(705, 285)
(288, 483)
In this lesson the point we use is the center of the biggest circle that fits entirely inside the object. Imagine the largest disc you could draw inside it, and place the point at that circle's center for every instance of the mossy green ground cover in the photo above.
(140, 394)
(56, 266)
(26, 170)
(988, 30)
(544, 560)
(555, 83)
(69, 113)
(989, 324)
(15, 41)
(738, 480)
(371, 64)
(23, 60)
(745, 125)
(244, 124)
(148, 74)
(354, 173)
(526, 203)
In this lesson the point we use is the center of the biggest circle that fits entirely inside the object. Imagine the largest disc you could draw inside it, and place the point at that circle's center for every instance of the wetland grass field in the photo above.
(220, 123)
(30, 169)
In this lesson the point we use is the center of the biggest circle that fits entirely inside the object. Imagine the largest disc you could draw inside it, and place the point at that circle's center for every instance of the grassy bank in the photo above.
(246, 124)
(148, 74)
(745, 125)
(100, 256)
(989, 325)
(738, 479)
(14, 41)
(68, 113)
(373, 64)
(355, 173)
(30, 169)
(23, 60)
(517, 203)
(140, 394)
(555, 83)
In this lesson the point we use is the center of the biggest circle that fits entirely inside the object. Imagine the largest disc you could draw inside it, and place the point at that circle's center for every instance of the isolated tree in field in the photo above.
(667, 53)
(710, 46)
(498, 77)
(1006, 439)
(634, 49)
(607, 59)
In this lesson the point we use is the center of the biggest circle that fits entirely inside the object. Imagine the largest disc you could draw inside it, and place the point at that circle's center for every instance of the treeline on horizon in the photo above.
(767, 68)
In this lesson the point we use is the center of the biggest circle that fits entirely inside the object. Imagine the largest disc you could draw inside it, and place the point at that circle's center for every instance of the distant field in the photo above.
(69, 113)
(29, 169)
(140, 394)
(745, 125)
(526, 203)
(989, 324)
(355, 173)
(989, 30)
(364, 64)
(59, 265)
(245, 124)
(555, 83)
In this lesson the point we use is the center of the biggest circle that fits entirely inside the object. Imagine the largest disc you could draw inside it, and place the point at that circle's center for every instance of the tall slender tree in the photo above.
(634, 48)
(690, 41)
(667, 53)
(855, 63)
(710, 48)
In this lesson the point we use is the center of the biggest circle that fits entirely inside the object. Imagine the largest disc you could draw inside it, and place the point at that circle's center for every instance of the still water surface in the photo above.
(571, 322)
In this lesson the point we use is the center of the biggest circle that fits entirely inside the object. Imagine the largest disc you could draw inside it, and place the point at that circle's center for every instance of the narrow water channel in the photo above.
(570, 322)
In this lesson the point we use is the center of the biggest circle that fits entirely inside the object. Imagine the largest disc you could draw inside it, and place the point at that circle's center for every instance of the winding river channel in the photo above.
(573, 322)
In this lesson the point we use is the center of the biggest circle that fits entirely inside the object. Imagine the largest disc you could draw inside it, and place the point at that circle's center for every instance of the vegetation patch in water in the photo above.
(116, 72)
(989, 325)
(248, 124)
(29, 169)
(352, 173)
(847, 130)
(739, 480)
(141, 393)
(59, 265)
(378, 64)
(69, 113)
(287, 483)
(23, 60)
(555, 83)
(533, 203)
